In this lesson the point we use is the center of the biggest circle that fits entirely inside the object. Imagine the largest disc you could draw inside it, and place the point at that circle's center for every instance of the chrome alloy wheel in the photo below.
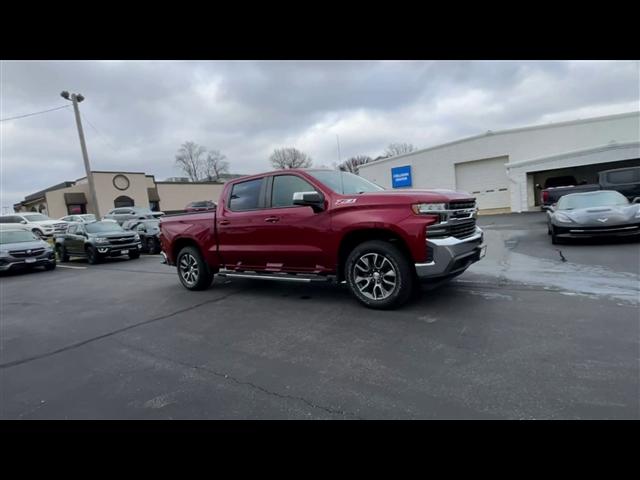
(189, 269)
(374, 276)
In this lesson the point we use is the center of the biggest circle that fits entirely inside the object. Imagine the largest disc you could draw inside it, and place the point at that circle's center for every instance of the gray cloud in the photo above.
(142, 111)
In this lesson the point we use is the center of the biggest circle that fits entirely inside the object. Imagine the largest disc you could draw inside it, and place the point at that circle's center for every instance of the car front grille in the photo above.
(463, 229)
(34, 252)
(601, 230)
(121, 241)
(60, 227)
(462, 204)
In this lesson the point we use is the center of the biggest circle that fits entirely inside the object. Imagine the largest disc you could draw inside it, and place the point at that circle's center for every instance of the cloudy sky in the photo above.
(136, 114)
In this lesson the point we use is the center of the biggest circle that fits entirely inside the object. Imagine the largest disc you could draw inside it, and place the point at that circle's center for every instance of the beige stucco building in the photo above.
(118, 189)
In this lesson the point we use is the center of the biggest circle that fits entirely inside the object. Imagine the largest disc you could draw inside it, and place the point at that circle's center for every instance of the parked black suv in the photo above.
(149, 231)
(96, 241)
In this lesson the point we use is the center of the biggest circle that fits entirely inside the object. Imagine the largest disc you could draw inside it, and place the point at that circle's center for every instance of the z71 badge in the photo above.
(345, 201)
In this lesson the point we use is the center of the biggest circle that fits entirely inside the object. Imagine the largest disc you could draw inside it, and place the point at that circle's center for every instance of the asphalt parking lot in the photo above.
(534, 331)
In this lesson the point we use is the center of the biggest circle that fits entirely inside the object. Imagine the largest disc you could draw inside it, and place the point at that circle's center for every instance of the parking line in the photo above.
(69, 266)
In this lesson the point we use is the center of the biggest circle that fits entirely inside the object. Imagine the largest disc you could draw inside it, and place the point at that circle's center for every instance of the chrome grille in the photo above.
(462, 204)
(34, 252)
(462, 229)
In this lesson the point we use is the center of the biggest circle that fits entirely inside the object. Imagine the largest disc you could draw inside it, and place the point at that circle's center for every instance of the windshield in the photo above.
(36, 217)
(599, 199)
(344, 182)
(88, 217)
(16, 236)
(99, 227)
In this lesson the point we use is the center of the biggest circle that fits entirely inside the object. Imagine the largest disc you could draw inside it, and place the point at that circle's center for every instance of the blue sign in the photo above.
(401, 176)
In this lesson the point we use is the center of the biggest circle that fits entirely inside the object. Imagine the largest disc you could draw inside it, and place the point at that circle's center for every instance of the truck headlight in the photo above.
(561, 217)
(422, 208)
(102, 240)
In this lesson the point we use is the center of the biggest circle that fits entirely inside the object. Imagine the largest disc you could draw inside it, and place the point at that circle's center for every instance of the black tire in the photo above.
(63, 256)
(151, 245)
(50, 266)
(193, 271)
(555, 240)
(93, 256)
(134, 254)
(376, 260)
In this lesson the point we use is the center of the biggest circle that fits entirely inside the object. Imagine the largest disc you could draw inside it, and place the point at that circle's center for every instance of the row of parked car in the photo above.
(32, 239)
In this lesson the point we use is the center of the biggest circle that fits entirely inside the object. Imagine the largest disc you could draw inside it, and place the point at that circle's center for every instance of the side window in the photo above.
(284, 186)
(15, 219)
(623, 176)
(246, 195)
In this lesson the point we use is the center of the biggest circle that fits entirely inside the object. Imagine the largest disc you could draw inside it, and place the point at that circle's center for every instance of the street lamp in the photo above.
(76, 98)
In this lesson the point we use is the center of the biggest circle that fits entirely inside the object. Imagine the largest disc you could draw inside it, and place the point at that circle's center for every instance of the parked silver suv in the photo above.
(122, 214)
(20, 248)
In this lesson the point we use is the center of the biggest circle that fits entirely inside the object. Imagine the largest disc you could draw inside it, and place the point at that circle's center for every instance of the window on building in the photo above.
(246, 195)
(123, 201)
(76, 209)
(154, 206)
(284, 186)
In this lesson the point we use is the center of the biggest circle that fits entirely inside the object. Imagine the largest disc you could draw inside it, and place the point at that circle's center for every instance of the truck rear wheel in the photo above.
(379, 275)
(193, 271)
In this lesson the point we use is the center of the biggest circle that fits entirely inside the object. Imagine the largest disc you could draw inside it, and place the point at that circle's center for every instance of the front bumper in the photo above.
(451, 255)
(577, 231)
(116, 250)
(8, 263)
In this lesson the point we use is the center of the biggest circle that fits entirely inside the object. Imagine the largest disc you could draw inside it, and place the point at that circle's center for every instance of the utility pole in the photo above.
(75, 99)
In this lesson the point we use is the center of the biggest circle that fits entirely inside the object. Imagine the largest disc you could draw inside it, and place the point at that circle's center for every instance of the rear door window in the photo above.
(246, 195)
(623, 176)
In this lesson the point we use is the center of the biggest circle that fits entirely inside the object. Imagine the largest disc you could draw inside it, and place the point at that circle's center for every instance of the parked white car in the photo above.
(79, 218)
(36, 222)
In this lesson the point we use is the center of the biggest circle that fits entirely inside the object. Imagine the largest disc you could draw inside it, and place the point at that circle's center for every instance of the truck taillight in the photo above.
(545, 196)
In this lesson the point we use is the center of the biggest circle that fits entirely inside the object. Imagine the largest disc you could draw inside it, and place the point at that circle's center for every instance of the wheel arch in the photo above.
(355, 237)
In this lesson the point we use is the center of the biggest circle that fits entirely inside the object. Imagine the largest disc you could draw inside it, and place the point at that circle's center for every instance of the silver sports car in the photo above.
(594, 214)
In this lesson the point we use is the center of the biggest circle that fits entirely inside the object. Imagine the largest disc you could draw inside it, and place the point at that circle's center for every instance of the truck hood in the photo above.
(111, 235)
(411, 196)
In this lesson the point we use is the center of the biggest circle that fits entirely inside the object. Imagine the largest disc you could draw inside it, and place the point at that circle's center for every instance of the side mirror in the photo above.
(24, 222)
(636, 200)
(314, 200)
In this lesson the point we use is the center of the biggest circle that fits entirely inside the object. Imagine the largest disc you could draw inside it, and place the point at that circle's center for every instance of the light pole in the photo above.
(76, 98)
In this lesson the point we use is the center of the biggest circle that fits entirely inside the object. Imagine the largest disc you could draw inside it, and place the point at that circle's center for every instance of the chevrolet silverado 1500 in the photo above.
(305, 225)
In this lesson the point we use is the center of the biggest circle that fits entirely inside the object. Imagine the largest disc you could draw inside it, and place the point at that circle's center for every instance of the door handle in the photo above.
(272, 219)
(224, 222)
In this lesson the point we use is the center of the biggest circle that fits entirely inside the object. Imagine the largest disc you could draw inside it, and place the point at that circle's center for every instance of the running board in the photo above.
(284, 277)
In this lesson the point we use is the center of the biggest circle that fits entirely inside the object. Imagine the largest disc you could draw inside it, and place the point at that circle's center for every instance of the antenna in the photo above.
(339, 169)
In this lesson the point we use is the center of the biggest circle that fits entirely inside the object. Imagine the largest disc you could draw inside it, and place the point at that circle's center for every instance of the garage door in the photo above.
(486, 180)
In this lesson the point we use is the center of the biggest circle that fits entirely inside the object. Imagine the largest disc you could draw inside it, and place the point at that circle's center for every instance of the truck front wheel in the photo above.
(379, 274)
(193, 271)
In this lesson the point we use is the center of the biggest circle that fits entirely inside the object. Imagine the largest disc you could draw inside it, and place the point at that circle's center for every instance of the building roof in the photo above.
(489, 133)
(40, 194)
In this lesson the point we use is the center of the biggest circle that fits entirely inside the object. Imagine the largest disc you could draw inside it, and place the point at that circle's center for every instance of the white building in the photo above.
(501, 169)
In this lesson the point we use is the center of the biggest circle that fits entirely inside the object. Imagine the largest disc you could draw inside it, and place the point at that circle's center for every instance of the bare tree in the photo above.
(353, 164)
(189, 160)
(289, 158)
(394, 149)
(215, 165)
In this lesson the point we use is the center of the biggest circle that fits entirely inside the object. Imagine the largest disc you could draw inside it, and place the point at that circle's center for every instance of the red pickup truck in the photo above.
(306, 225)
